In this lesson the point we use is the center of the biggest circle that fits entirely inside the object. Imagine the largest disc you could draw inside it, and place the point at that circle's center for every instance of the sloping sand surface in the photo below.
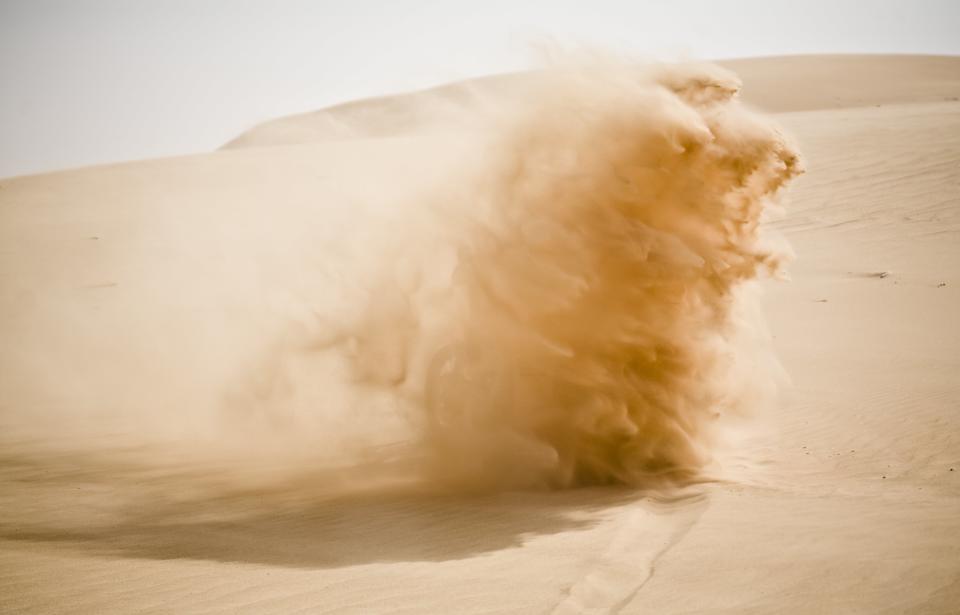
(847, 499)
(776, 84)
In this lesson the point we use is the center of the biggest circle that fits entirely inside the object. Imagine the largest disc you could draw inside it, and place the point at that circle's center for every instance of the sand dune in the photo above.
(815, 82)
(189, 277)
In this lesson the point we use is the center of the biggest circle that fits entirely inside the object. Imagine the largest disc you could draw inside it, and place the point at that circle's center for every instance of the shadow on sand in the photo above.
(100, 510)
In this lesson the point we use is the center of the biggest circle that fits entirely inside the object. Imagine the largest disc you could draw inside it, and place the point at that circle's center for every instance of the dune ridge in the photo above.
(816, 82)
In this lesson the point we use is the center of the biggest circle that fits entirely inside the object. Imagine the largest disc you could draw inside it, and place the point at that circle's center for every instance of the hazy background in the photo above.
(90, 81)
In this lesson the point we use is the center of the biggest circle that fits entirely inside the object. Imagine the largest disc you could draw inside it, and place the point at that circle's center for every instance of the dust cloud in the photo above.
(587, 316)
(569, 301)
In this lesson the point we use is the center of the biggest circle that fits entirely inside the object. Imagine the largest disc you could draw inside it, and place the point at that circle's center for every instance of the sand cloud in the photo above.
(581, 318)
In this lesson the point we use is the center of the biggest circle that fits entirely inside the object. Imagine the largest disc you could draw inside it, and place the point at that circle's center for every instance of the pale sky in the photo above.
(90, 81)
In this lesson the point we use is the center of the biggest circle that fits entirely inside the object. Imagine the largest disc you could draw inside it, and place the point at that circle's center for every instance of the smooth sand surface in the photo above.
(166, 272)
(777, 84)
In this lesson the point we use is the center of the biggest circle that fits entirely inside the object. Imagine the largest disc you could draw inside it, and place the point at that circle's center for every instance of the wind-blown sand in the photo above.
(185, 285)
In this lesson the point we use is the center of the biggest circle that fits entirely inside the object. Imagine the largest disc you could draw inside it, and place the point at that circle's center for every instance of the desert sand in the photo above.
(147, 307)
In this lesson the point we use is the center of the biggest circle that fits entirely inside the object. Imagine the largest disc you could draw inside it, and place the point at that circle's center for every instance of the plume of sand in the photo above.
(570, 305)
(585, 321)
